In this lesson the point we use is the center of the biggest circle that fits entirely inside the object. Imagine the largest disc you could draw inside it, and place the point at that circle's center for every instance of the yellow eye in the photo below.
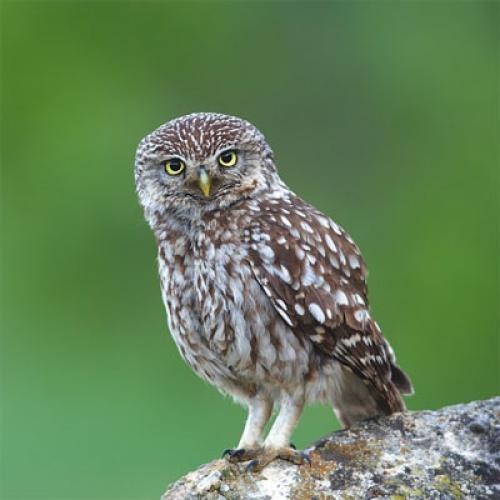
(175, 166)
(228, 159)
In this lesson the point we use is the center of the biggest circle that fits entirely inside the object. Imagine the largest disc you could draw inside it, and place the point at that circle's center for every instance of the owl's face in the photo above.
(201, 162)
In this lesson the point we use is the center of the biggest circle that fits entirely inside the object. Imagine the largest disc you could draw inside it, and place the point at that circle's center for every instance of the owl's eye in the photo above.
(174, 166)
(228, 159)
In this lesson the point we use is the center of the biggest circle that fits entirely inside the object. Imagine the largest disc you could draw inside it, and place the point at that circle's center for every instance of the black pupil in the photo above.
(227, 157)
(175, 165)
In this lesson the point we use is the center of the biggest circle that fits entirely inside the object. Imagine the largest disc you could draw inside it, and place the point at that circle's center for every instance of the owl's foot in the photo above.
(241, 454)
(261, 457)
(267, 455)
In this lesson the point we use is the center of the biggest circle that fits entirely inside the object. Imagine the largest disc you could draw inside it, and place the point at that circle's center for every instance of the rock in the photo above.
(445, 454)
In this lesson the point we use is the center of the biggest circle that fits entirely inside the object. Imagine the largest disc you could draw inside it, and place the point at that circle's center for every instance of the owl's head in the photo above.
(201, 162)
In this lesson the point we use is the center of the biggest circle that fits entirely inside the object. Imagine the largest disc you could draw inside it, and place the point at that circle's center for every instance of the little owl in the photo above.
(266, 296)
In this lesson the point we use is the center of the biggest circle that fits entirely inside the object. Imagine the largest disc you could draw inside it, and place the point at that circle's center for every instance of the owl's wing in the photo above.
(315, 277)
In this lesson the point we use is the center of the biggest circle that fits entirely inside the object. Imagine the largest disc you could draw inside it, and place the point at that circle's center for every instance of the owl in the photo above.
(266, 296)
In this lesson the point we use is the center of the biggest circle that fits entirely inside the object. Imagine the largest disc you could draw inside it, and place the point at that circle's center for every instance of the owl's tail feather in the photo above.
(401, 380)
(354, 400)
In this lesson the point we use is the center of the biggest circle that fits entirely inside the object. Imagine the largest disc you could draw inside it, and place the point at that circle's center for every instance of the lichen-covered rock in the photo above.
(450, 453)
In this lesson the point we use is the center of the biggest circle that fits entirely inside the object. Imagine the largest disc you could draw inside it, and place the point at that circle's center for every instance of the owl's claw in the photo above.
(240, 454)
(268, 455)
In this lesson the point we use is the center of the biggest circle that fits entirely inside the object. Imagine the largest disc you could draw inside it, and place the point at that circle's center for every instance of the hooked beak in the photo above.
(204, 181)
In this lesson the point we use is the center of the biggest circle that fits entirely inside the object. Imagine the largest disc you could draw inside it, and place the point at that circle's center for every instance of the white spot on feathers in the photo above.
(306, 227)
(330, 243)
(284, 274)
(285, 221)
(317, 312)
(334, 261)
(354, 262)
(285, 316)
(335, 228)
(358, 299)
(361, 315)
(341, 298)
(299, 310)
(352, 340)
(266, 252)
(300, 253)
(281, 304)
(309, 276)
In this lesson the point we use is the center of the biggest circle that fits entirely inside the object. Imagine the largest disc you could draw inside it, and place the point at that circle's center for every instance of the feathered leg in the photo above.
(259, 412)
(277, 443)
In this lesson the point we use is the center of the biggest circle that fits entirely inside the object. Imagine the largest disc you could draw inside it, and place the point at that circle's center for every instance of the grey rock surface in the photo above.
(445, 454)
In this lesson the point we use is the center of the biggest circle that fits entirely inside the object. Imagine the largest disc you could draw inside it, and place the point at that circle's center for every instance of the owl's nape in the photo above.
(266, 297)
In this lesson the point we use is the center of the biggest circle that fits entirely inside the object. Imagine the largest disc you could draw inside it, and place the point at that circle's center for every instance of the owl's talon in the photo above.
(252, 466)
(240, 454)
(268, 455)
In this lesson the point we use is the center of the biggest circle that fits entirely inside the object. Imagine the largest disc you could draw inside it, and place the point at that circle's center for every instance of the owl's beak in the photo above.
(204, 181)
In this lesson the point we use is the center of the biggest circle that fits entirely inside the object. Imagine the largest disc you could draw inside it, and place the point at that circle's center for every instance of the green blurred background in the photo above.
(383, 114)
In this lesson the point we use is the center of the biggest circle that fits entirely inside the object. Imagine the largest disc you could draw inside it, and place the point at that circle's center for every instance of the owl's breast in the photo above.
(206, 294)
(222, 321)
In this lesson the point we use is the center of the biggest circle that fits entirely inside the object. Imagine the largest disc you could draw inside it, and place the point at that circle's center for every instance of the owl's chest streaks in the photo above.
(204, 277)
(223, 323)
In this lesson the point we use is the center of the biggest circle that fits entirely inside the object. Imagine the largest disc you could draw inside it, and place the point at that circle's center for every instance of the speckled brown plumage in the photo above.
(266, 296)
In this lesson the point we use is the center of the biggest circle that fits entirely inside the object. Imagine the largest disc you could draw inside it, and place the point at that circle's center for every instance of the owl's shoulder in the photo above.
(294, 234)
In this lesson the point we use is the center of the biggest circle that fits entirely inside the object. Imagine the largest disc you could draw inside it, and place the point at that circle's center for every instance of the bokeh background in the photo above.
(383, 114)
